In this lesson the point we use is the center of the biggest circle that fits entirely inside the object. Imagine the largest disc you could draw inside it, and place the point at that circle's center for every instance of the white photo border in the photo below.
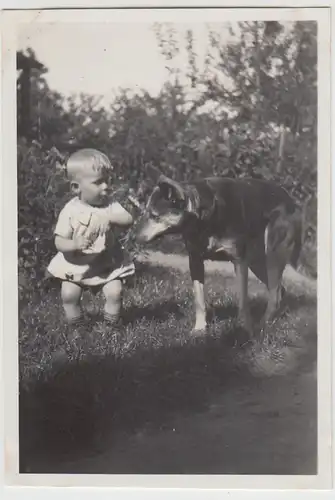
(9, 26)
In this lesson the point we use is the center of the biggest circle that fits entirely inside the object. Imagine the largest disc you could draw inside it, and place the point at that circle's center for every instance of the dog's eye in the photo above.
(176, 203)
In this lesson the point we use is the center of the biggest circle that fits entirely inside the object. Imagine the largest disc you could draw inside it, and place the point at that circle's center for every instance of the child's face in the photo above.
(94, 187)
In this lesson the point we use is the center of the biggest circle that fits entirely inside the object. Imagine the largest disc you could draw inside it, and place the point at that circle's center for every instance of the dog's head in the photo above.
(171, 208)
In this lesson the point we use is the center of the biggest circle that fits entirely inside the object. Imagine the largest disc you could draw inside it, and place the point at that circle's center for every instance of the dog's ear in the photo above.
(171, 189)
(193, 201)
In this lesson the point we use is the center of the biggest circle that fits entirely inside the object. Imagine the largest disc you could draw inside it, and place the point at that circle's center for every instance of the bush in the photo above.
(40, 196)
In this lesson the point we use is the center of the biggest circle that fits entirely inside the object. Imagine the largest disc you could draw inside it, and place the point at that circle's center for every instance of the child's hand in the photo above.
(81, 242)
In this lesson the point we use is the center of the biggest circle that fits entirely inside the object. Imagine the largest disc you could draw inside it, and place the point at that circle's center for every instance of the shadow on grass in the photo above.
(85, 403)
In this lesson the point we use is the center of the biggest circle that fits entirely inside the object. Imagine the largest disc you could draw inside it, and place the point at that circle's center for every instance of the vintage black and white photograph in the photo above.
(167, 198)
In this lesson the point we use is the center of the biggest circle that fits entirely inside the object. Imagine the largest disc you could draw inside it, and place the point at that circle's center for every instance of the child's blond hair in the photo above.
(86, 160)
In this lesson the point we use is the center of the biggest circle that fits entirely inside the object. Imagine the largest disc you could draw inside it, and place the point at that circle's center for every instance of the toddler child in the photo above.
(89, 254)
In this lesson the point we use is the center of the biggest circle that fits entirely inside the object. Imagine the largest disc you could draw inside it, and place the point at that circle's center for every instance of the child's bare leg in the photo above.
(113, 294)
(71, 294)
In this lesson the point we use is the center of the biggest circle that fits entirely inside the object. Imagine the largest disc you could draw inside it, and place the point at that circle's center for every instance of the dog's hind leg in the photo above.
(280, 245)
(276, 263)
(268, 269)
(257, 259)
(197, 270)
(241, 268)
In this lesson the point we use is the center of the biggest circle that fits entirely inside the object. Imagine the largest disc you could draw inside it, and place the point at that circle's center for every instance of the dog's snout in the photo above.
(142, 237)
(149, 227)
(141, 233)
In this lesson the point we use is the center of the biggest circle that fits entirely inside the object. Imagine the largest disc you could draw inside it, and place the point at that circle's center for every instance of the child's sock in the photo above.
(112, 319)
(77, 321)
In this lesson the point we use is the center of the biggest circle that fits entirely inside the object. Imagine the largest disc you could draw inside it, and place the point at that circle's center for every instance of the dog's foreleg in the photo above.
(200, 306)
(241, 268)
(197, 270)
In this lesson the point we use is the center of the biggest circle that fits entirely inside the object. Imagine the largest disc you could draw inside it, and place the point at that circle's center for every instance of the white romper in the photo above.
(104, 260)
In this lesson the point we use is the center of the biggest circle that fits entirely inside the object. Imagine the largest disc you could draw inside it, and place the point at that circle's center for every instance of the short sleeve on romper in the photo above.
(63, 226)
(115, 209)
(116, 212)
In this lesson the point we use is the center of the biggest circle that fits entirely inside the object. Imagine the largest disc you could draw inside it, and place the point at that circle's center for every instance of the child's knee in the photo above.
(71, 293)
(113, 290)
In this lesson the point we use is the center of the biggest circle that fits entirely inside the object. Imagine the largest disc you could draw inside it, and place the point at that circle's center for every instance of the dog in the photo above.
(252, 223)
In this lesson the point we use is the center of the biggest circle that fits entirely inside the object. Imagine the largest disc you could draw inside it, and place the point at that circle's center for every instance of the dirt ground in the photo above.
(273, 421)
(261, 425)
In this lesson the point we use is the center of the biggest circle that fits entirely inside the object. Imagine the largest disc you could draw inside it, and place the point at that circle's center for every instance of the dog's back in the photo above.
(240, 205)
(256, 193)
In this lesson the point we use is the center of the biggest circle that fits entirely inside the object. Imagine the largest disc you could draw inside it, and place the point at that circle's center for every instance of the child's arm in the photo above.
(65, 240)
(119, 216)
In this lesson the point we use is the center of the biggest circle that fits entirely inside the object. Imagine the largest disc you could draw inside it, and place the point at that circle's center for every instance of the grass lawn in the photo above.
(80, 389)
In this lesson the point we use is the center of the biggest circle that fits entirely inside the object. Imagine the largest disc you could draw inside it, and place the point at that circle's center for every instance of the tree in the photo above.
(270, 85)
(26, 63)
